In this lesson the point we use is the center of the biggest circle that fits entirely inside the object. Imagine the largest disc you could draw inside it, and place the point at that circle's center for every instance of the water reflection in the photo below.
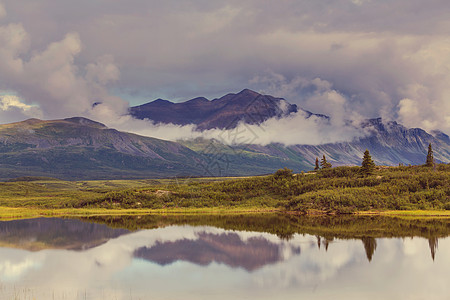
(72, 259)
(325, 228)
(43, 233)
(226, 248)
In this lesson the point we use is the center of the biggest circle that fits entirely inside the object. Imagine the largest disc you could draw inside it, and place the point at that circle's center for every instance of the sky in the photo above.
(349, 59)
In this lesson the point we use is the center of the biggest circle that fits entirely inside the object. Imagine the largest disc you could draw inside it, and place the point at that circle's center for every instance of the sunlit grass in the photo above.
(11, 213)
(412, 191)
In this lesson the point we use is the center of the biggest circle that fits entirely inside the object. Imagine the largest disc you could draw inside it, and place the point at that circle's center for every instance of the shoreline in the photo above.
(14, 213)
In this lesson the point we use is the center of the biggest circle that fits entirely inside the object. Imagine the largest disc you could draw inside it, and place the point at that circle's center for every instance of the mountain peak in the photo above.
(249, 92)
(198, 100)
(85, 122)
(32, 121)
(225, 112)
(161, 101)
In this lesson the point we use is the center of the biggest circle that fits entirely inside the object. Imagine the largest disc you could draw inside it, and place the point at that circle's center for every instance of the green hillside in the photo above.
(337, 190)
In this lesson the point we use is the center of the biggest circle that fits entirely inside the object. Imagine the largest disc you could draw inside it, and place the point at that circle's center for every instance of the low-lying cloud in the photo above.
(297, 128)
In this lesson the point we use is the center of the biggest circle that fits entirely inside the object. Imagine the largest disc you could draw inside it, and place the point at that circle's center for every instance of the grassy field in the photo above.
(413, 190)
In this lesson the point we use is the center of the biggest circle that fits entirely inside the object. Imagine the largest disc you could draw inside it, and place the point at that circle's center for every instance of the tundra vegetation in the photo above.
(336, 190)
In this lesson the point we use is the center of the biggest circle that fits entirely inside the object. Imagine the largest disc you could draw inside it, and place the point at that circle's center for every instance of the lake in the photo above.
(225, 257)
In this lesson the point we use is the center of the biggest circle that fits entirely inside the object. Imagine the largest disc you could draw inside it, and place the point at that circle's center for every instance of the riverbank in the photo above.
(12, 213)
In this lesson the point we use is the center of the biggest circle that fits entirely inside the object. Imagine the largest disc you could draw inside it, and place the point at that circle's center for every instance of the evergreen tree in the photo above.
(324, 164)
(317, 164)
(430, 158)
(367, 166)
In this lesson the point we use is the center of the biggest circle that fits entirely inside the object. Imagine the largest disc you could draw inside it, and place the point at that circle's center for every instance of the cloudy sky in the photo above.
(344, 58)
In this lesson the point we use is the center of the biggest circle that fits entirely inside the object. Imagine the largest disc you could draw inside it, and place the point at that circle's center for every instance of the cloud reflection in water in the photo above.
(210, 263)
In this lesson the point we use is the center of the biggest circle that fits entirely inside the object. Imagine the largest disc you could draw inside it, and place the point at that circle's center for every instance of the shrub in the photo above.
(283, 173)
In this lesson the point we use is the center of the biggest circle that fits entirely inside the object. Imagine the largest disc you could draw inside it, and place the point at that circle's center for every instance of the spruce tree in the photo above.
(367, 166)
(430, 158)
(324, 164)
(317, 164)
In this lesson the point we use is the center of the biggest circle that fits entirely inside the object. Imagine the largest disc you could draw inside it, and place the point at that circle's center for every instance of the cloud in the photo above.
(425, 101)
(51, 79)
(2, 11)
(103, 71)
(295, 129)
(369, 55)
(12, 109)
(146, 127)
(14, 41)
(61, 89)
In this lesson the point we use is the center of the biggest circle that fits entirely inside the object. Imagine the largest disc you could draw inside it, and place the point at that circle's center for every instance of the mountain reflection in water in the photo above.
(227, 248)
(222, 257)
(54, 233)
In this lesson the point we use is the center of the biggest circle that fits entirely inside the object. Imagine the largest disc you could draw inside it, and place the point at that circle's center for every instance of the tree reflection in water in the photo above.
(224, 256)
(325, 228)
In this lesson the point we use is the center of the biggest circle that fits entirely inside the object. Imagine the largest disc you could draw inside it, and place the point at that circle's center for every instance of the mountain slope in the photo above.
(223, 113)
(389, 144)
(78, 148)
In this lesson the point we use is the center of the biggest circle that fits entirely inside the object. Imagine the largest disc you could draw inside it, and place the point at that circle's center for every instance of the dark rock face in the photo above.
(223, 113)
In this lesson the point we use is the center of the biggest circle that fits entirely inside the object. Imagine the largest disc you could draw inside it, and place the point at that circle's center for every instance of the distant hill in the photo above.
(78, 148)
(389, 143)
(223, 113)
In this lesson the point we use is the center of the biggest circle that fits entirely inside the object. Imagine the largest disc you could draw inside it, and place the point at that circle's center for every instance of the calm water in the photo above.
(74, 259)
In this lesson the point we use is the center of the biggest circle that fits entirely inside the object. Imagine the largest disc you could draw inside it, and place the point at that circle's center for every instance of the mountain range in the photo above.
(224, 248)
(79, 148)
(222, 113)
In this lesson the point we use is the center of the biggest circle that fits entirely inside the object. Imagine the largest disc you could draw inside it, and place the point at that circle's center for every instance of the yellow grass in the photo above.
(10, 213)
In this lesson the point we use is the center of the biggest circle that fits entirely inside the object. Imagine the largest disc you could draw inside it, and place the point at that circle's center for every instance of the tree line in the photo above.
(368, 165)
